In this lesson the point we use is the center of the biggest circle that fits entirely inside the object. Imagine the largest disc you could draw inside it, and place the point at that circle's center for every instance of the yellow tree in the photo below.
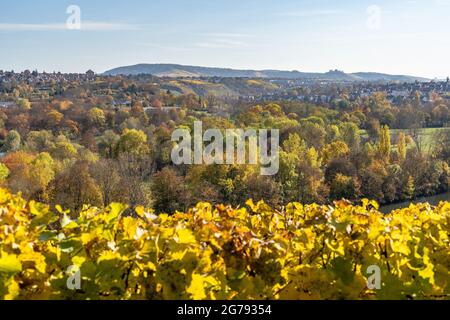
(4, 172)
(97, 117)
(133, 142)
(401, 146)
(42, 173)
(410, 188)
(334, 150)
(384, 145)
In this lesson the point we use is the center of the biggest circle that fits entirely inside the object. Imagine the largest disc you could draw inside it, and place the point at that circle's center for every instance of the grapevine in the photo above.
(219, 252)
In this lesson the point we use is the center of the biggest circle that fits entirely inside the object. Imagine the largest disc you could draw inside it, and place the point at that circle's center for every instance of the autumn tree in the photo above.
(4, 172)
(344, 187)
(409, 188)
(18, 164)
(75, 187)
(384, 144)
(401, 146)
(169, 191)
(40, 141)
(42, 172)
(106, 174)
(133, 142)
(107, 143)
(97, 117)
(24, 104)
(334, 150)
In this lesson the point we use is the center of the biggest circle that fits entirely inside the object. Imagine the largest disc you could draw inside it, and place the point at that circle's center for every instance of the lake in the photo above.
(433, 200)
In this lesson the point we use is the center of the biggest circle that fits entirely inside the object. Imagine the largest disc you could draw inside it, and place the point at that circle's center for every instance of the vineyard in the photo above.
(252, 252)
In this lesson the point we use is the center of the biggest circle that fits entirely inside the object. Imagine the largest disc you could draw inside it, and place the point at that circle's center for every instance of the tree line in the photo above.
(74, 146)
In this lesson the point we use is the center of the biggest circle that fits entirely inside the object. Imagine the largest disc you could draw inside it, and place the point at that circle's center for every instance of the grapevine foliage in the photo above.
(303, 252)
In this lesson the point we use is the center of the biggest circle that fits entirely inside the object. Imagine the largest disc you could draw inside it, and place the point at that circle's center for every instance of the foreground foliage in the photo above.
(304, 252)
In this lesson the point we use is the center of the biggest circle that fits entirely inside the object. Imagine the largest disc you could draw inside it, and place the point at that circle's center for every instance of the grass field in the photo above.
(426, 136)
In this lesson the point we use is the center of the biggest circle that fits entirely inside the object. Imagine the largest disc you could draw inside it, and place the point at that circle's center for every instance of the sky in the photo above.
(390, 36)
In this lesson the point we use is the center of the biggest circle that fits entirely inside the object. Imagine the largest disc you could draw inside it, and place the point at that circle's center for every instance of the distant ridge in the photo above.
(177, 71)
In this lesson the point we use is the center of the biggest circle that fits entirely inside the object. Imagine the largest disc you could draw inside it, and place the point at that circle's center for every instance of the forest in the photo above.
(107, 139)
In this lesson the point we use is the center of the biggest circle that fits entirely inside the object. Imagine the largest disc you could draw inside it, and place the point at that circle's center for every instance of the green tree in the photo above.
(300, 176)
(107, 143)
(64, 149)
(40, 141)
(350, 135)
(12, 141)
(133, 142)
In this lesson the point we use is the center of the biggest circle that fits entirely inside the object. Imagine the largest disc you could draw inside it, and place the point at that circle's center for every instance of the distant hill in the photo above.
(180, 71)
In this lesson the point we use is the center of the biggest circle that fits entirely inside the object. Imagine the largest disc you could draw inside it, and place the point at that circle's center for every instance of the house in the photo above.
(400, 93)
(6, 104)
(121, 103)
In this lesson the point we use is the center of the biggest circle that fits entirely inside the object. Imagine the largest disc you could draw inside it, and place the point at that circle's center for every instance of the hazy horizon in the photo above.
(213, 66)
(401, 37)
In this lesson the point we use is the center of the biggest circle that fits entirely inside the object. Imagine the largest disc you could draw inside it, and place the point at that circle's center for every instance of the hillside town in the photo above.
(312, 91)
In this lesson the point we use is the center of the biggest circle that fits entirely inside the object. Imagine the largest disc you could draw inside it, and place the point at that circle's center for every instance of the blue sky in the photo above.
(392, 36)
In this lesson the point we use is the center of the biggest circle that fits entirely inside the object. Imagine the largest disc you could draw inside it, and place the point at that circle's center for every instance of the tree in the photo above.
(107, 143)
(169, 191)
(105, 172)
(310, 179)
(54, 118)
(441, 141)
(4, 172)
(18, 164)
(300, 176)
(393, 183)
(372, 179)
(313, 133)
(133, 142)
(350, 135)
(344, 187)
(263, 188)
(401, 146)
(75, 187)
(88, 141)
(42, 173)
(333, 133)
(384, 144)
(12, 142)
(97, 117)
(373, 129)
(334, 150)
(24, 104)
(40, 141)
(205, 183)
(339, 166)
(64, 149)
(420, 168)
(409, 188)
